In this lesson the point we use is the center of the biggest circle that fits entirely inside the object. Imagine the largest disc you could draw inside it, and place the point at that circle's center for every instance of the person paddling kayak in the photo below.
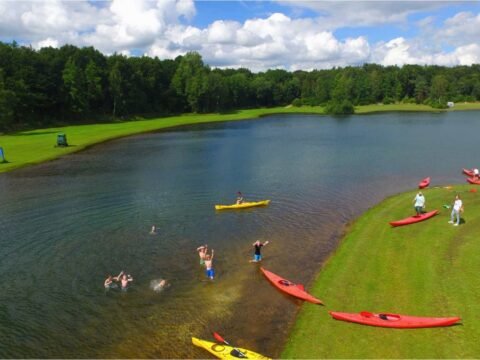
(239, 198)
(419, 201)
(258, 246)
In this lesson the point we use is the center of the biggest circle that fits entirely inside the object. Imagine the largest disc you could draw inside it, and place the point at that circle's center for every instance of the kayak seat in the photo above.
(286, 282)
(237, 354)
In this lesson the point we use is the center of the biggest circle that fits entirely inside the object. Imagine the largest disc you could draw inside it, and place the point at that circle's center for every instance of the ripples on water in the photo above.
(66, 224)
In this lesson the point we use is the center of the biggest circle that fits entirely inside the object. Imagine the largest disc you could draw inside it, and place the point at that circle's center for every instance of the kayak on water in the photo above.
(424, 183)
(243, 205)
(473, 181)
(290, 288)
(394, 320)
(468, 172)
(414, 219)
(223, 351)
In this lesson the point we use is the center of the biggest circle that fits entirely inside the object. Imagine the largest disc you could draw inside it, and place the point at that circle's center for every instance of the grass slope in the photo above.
(32, 147)
(426, 269)
(36, 146)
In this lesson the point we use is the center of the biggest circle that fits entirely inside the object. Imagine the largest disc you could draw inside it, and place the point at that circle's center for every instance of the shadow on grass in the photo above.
(34, 133)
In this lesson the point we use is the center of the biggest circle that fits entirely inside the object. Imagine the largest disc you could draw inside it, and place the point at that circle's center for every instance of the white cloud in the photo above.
(159, 28)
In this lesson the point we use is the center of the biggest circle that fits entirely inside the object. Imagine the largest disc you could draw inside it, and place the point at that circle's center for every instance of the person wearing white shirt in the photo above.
(457, 208)
(419, 201)
(475, 174)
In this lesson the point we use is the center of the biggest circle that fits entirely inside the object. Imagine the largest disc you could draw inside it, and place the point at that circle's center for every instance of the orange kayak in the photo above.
(290, 288)
(414, 219)
(394, 320)
(468, 172)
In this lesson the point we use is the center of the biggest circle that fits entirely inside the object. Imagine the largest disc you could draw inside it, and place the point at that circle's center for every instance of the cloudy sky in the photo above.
(256, 34)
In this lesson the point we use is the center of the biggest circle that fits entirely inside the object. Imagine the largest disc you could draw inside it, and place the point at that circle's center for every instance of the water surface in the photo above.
(66, 224)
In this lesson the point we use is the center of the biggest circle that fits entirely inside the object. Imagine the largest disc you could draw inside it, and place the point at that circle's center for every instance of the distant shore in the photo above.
(36, 146)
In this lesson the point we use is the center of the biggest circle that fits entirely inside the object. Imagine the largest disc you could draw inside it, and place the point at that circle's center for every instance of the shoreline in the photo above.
(426, 269)
(37, 146)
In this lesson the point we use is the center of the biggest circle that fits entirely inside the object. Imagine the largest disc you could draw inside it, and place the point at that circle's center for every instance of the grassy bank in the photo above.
(36, 146)
(426, 269)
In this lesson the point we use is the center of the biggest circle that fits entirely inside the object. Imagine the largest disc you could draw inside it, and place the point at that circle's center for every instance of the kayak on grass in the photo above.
(414, 219)
(473, 181)
(424, 183)
(394, 320)
(290, 288)
(223, 351)
(243, 205)
(468, 172)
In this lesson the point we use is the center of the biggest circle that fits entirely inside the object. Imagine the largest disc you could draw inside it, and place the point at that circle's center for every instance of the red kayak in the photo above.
(472, 181)
(394, 320)
(290, 288)
(424, 183)
(414, 219)
(468, 172)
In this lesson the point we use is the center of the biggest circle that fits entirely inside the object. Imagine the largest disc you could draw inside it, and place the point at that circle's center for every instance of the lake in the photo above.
(66, 224)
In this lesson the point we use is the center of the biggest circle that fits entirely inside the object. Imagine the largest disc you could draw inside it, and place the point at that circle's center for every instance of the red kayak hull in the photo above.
(290, 288)
(424, 183)
(414, 219)
(394, 320)
(472, 181)
(468, 172)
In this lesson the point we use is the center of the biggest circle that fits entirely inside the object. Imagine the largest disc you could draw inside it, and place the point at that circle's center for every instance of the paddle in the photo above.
(219, 338)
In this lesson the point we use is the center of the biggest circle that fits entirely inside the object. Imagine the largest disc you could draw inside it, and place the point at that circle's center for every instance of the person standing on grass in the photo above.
(419, 201)
(257, 256)
(457, 209)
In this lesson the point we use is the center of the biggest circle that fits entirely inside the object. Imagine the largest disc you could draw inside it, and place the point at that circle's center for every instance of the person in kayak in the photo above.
(456, 210)
(209, 265)
(239, 198)
(257, 256)
(202, 251)
(419, 201)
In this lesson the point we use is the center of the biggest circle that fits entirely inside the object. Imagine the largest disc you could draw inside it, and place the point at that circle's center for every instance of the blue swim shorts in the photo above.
(210, 273)
(257, 257)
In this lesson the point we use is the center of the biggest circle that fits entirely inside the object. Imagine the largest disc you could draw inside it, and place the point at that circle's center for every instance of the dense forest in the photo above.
(71, 85)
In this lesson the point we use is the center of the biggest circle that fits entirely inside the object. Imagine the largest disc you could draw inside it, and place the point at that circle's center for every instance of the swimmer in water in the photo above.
(202, 251)
(209, 271)
(159, 285)
(125, 279)
(109, 281)
(154, 230)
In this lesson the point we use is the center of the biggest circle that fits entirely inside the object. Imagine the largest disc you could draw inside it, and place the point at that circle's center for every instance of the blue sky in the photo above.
(256, 34)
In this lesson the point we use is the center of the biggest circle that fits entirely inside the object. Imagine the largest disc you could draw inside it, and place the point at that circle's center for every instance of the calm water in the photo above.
(64, 225)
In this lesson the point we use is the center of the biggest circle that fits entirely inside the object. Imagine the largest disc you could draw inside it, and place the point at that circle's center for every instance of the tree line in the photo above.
(68, 85)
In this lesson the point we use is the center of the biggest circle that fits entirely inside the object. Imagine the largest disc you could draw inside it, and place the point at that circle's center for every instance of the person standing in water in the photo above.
(209, 271)
(125, 279)
(257, 256)
(419, 201)
(202, 251)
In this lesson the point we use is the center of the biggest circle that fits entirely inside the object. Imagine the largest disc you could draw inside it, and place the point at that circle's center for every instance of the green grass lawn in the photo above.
(32, 147)
(426, 269)
(36, 146)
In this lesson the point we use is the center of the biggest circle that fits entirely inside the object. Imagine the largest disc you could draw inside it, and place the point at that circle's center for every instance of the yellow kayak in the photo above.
(243, 205)
(223, 351)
